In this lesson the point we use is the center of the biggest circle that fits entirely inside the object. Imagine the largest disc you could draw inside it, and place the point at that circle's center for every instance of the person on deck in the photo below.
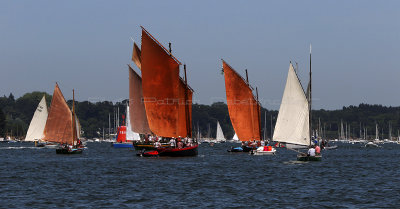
(172, 143)
(157, 144)
(317, 150)
(311, 151)
(180, 144)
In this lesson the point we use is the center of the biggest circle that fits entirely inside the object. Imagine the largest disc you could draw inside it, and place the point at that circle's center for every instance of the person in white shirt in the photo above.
(311, 151)
(172, 142)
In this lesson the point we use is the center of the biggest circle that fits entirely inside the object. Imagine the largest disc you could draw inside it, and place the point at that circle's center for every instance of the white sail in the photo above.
(292, 125)
(130, 135)
(235, 138)
(220, 135)
(38, 122)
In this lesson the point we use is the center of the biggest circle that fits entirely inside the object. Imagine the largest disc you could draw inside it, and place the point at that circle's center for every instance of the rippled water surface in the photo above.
(350, 176)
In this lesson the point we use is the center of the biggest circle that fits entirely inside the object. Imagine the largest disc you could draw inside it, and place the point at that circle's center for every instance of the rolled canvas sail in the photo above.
(242, 106)
(292, 125)
(130, 135)
(38, 122)
(59, 121)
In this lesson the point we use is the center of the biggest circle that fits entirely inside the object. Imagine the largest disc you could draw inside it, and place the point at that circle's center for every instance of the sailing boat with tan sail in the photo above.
(61, 125)
(243, 108)
(167, 98)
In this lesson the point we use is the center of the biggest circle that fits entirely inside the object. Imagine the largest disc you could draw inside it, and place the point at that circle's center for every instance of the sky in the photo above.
(86, 45)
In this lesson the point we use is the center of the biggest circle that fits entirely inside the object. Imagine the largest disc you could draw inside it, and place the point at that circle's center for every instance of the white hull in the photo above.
(260, 151)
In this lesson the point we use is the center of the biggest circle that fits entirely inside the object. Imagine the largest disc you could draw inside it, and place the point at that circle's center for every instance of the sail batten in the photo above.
(243, 108)
(292, 125)
(38, 122)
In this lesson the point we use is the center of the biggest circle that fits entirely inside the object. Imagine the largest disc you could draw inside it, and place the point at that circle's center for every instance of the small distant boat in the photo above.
(371, 145)
(61, 125)
(38, 122)
(264, 150)
(244, 115)
(220, 138)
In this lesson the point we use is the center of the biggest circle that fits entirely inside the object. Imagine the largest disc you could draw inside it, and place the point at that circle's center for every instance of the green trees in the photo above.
(17, 113)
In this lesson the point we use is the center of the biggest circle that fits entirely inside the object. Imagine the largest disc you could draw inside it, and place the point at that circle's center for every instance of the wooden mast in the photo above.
(188, 125)
(73, 117)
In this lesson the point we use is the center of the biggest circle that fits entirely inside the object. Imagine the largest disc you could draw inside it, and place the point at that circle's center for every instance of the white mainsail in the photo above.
(220, 135)
(292, 125)
(130, 135)
(38, 122)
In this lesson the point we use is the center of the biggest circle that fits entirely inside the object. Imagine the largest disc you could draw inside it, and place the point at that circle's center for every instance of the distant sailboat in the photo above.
(38, 122)
(61, 125)
(243, 108)
(293, 125)
(220, 135)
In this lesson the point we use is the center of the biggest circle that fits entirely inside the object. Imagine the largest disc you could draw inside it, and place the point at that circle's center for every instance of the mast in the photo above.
(309, 102)
(247, 78)
(265, 125)
(109, 126)
(73, 117)
(188, 125)
(258, 114)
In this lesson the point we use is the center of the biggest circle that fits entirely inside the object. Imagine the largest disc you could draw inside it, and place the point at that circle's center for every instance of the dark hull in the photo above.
(175, 152)
(69, 151)
(241, 149)
(309, 158)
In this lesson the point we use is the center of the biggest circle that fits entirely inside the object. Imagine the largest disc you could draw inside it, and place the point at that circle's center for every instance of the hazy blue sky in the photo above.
(85, 44)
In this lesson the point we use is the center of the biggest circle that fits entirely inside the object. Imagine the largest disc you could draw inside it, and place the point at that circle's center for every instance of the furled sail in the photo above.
(244, 110)
(38, 122)
(136, 56)
(292, 125)
(137, 111)
(130, 135)
(59, 122)
(220, 134)
(166, 97)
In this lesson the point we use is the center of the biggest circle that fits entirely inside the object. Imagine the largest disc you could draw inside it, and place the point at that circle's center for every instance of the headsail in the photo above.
(167, 110)
(59, 122)
(292, 125)
(243, 108)
(38, 122)
(220, 135)
(137, 111)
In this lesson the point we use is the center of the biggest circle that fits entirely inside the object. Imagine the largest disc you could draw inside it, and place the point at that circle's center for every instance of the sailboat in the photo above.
(220, 135)
(125, 135)
(61, 125)
(167, 97)
(293, 125)
(38, 122)
(243, 108)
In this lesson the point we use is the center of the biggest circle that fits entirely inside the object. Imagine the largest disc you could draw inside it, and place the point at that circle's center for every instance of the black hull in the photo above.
(68, 151)
(184, 152)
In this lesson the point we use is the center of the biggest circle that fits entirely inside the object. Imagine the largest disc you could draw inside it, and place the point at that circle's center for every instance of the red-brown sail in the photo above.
(163, 90)
(137, 112)
(242, 106)
(59, 121)
(136, 56)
